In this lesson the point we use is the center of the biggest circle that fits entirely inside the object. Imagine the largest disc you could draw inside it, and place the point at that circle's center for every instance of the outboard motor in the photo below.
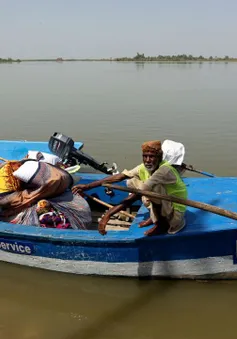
(63, 146)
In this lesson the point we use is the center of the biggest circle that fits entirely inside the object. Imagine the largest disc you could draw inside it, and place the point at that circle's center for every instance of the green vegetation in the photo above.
(174, 58)
(9, 60)
(140, 57)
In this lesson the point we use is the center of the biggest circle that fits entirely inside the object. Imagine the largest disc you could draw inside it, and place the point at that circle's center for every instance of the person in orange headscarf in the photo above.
(155, 175)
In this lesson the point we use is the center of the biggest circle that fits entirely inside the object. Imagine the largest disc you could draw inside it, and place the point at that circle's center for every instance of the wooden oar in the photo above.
(191, 169)
(196, 204)
(107, 205)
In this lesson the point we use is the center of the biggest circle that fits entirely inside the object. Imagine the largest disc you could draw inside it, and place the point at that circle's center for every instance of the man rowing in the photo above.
(155, 174)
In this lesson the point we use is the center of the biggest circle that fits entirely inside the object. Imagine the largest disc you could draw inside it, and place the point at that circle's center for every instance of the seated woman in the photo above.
(33, 188)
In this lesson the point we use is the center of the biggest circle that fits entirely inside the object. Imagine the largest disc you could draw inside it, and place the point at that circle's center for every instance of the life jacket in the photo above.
(178, 189)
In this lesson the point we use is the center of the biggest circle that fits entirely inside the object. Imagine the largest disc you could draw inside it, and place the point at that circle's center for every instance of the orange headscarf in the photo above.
(152, 146)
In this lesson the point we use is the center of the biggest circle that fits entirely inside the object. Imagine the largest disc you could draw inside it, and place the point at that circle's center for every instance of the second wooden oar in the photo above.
(191, 169)
(196, 204)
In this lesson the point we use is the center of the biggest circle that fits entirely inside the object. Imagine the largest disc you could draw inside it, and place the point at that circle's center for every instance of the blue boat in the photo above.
(204, 249)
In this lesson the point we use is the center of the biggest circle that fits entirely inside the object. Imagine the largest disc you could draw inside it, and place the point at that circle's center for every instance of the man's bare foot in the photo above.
(145, 223)
(153, 231)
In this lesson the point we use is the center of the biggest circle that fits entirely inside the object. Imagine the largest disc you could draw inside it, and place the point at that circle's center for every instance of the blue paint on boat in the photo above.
(19, 247)
(205, 247)
(16, 150)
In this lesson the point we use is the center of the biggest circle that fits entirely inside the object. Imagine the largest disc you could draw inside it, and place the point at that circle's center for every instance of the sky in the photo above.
(117, 28)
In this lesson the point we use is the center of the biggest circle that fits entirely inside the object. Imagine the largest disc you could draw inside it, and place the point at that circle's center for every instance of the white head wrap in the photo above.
(173, 152)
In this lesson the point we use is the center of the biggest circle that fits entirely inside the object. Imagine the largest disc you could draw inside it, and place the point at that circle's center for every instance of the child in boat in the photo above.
(155, 174)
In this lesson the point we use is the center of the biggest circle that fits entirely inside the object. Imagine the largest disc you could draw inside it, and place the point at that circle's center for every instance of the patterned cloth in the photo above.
(51, 183)
(50, 217)
(73, 207)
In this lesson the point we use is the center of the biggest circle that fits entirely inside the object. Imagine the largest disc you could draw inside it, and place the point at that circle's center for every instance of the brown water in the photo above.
(41, 304)
(113, 108)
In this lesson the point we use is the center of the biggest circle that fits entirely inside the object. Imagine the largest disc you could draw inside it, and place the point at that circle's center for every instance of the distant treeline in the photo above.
(179, 57)
(9, 60)
(140, 57)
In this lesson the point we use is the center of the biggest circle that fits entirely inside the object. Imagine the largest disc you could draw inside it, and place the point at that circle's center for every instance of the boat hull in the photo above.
(183, 256)
(207, 268)
(204, 249)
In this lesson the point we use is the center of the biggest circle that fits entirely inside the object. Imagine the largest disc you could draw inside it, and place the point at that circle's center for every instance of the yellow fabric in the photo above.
(8, 183)
(143, 173)
(178, 189)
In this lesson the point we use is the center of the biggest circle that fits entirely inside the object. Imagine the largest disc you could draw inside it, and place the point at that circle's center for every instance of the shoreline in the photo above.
(139, 58)
(122, 61)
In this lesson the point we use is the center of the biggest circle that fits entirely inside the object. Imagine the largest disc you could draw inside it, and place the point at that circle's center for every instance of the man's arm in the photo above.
(110, 179)
(123, 205)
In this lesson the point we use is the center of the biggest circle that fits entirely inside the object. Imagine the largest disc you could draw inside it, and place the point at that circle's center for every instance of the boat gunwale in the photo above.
(35, 233)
